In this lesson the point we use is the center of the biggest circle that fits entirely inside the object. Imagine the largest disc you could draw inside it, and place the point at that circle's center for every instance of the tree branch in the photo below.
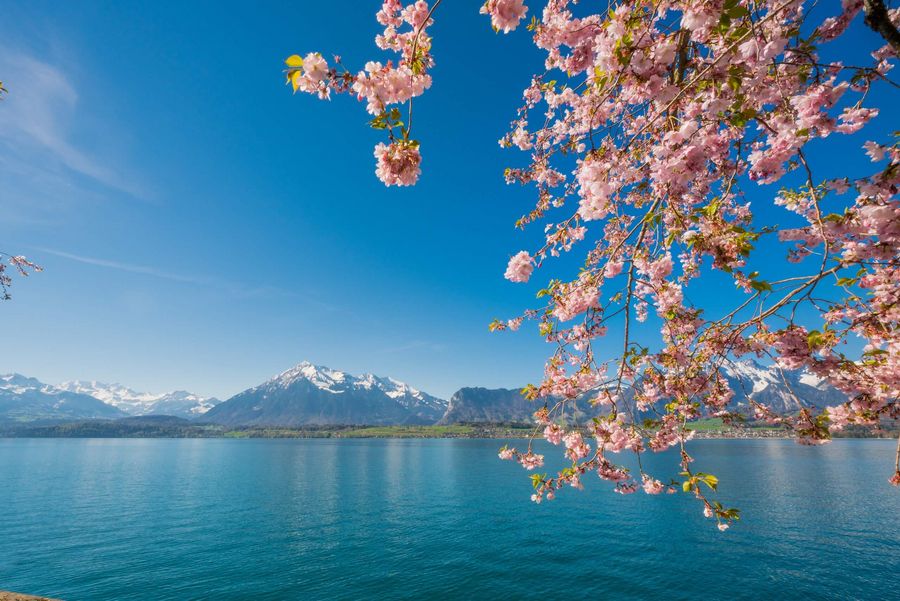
(877, 18)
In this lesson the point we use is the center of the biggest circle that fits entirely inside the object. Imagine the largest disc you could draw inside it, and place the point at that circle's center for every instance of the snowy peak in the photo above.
(401, 391)
(340, 382)
(28, 399)
(321, 377)
(20, 384)
(782, 390)
(179, 403)
(111, 394)
(315, 394)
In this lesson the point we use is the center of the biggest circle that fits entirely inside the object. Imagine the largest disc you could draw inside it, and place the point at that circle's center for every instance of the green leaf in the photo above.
(710, 480)
(761, 285)
(815, 339)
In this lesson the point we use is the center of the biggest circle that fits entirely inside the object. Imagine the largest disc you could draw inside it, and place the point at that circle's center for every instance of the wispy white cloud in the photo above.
(142, 269)
(37, 132)
(231, 287)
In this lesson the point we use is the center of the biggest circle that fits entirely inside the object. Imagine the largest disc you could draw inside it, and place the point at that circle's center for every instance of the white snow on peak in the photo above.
(811, 379)
(761, 376)
(319, 376)
(178, 402)
(18, 384)
(338, 382)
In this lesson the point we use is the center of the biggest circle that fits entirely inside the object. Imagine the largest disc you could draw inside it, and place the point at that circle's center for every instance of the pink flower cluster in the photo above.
(520, 267)
(381, 85)
(397, 163)
(505, 14)
(646, 131)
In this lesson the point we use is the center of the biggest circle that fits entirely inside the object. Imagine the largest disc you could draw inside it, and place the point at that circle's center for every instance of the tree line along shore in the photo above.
(162, 427)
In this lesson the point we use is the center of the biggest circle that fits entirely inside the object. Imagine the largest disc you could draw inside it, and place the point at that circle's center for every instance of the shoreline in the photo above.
(481, 435)
(176, 428)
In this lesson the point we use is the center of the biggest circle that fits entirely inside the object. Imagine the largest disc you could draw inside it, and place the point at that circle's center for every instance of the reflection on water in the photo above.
(350, 519)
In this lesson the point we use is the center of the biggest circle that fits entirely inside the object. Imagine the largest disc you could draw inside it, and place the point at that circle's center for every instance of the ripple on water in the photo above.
(411, 519)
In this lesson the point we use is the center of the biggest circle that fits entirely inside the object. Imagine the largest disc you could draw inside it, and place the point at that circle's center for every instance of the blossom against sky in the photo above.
(202, 228)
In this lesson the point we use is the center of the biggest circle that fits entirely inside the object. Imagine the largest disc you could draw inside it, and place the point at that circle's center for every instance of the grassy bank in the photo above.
(175, 428)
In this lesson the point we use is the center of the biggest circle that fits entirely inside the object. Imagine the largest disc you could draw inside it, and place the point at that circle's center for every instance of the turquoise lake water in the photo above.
(434, 519)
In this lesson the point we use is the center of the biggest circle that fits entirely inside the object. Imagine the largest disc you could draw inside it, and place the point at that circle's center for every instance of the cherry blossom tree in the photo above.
(647, 127)
(17, 263)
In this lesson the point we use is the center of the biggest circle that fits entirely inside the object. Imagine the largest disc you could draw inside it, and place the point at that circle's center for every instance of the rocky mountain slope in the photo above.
(496, 405)
(179, 403)
(783, 392)
(24, 399)
(315, 395)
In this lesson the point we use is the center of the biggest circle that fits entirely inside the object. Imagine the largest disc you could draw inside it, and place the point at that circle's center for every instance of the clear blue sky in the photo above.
(202, 228)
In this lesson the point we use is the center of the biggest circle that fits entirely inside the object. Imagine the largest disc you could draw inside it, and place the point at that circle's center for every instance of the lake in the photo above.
(117, 519)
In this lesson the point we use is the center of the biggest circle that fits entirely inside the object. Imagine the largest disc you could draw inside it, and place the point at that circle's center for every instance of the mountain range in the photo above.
(313, 395)
(24, 399)
(178, 403)
(781, 390)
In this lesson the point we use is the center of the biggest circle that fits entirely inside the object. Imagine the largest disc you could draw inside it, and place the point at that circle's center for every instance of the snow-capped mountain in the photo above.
(784, 392)
(178, 403)
(25, 399)
(312, 394)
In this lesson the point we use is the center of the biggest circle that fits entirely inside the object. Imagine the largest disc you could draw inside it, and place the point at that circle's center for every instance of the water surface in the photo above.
(406, 519)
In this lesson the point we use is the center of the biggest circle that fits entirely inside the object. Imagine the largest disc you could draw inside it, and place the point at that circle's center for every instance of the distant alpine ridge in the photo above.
(24, 399)
(179, 403)
(778, 389)
(497, 405)
(314, 395)
(785, 392)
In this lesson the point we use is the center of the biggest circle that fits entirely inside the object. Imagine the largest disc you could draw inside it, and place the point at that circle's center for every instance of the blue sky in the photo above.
(201, 228)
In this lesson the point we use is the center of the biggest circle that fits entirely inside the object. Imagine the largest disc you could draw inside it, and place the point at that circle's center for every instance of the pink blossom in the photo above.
(576, 448)
(530, 460)
(520, 267)
(838, 416)
(383, 85)
(699, 19)
(651, 486)
(505, 14)
(612, 269)
(636, 150)
(553, 434)
(875, 151)
(792, 348)
(398, 163)
(315, 67)
(626, 488)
